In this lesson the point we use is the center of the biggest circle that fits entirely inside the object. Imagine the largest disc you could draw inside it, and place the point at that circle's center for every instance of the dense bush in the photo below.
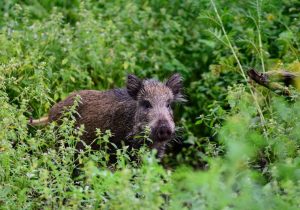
(240, 143)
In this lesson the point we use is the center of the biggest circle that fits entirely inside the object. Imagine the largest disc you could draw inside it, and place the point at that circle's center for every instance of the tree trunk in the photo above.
(277, 81)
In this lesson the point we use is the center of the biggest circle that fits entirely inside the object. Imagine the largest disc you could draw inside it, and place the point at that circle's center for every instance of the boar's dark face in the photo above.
(154, 100)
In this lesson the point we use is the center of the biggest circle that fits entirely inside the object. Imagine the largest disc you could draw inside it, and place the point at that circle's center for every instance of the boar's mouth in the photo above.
(160, 147)
(153, 143)
(159, 144)
(158, 140)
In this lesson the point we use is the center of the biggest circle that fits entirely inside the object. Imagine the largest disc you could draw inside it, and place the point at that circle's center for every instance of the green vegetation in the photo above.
(240, 143)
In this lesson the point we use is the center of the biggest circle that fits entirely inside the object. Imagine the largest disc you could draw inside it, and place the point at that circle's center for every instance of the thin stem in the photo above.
(258, 9)
(240, 66)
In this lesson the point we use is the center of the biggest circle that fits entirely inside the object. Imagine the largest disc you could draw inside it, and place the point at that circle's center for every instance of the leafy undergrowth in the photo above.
(240, 143)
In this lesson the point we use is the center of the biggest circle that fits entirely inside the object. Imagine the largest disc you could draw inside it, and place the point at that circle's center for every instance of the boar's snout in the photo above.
(162, 132)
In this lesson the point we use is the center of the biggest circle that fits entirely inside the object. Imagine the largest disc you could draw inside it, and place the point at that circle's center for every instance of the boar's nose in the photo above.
(164, 132)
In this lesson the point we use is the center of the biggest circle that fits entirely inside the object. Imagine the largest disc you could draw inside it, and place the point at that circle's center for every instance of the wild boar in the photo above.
(126, 112)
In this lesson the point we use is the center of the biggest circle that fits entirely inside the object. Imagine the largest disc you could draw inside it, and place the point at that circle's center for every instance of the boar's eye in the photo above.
(146, 104)
(170, 105)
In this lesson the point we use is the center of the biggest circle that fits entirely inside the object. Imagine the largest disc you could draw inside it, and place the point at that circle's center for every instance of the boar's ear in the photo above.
(175, 84)
(134, 85)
